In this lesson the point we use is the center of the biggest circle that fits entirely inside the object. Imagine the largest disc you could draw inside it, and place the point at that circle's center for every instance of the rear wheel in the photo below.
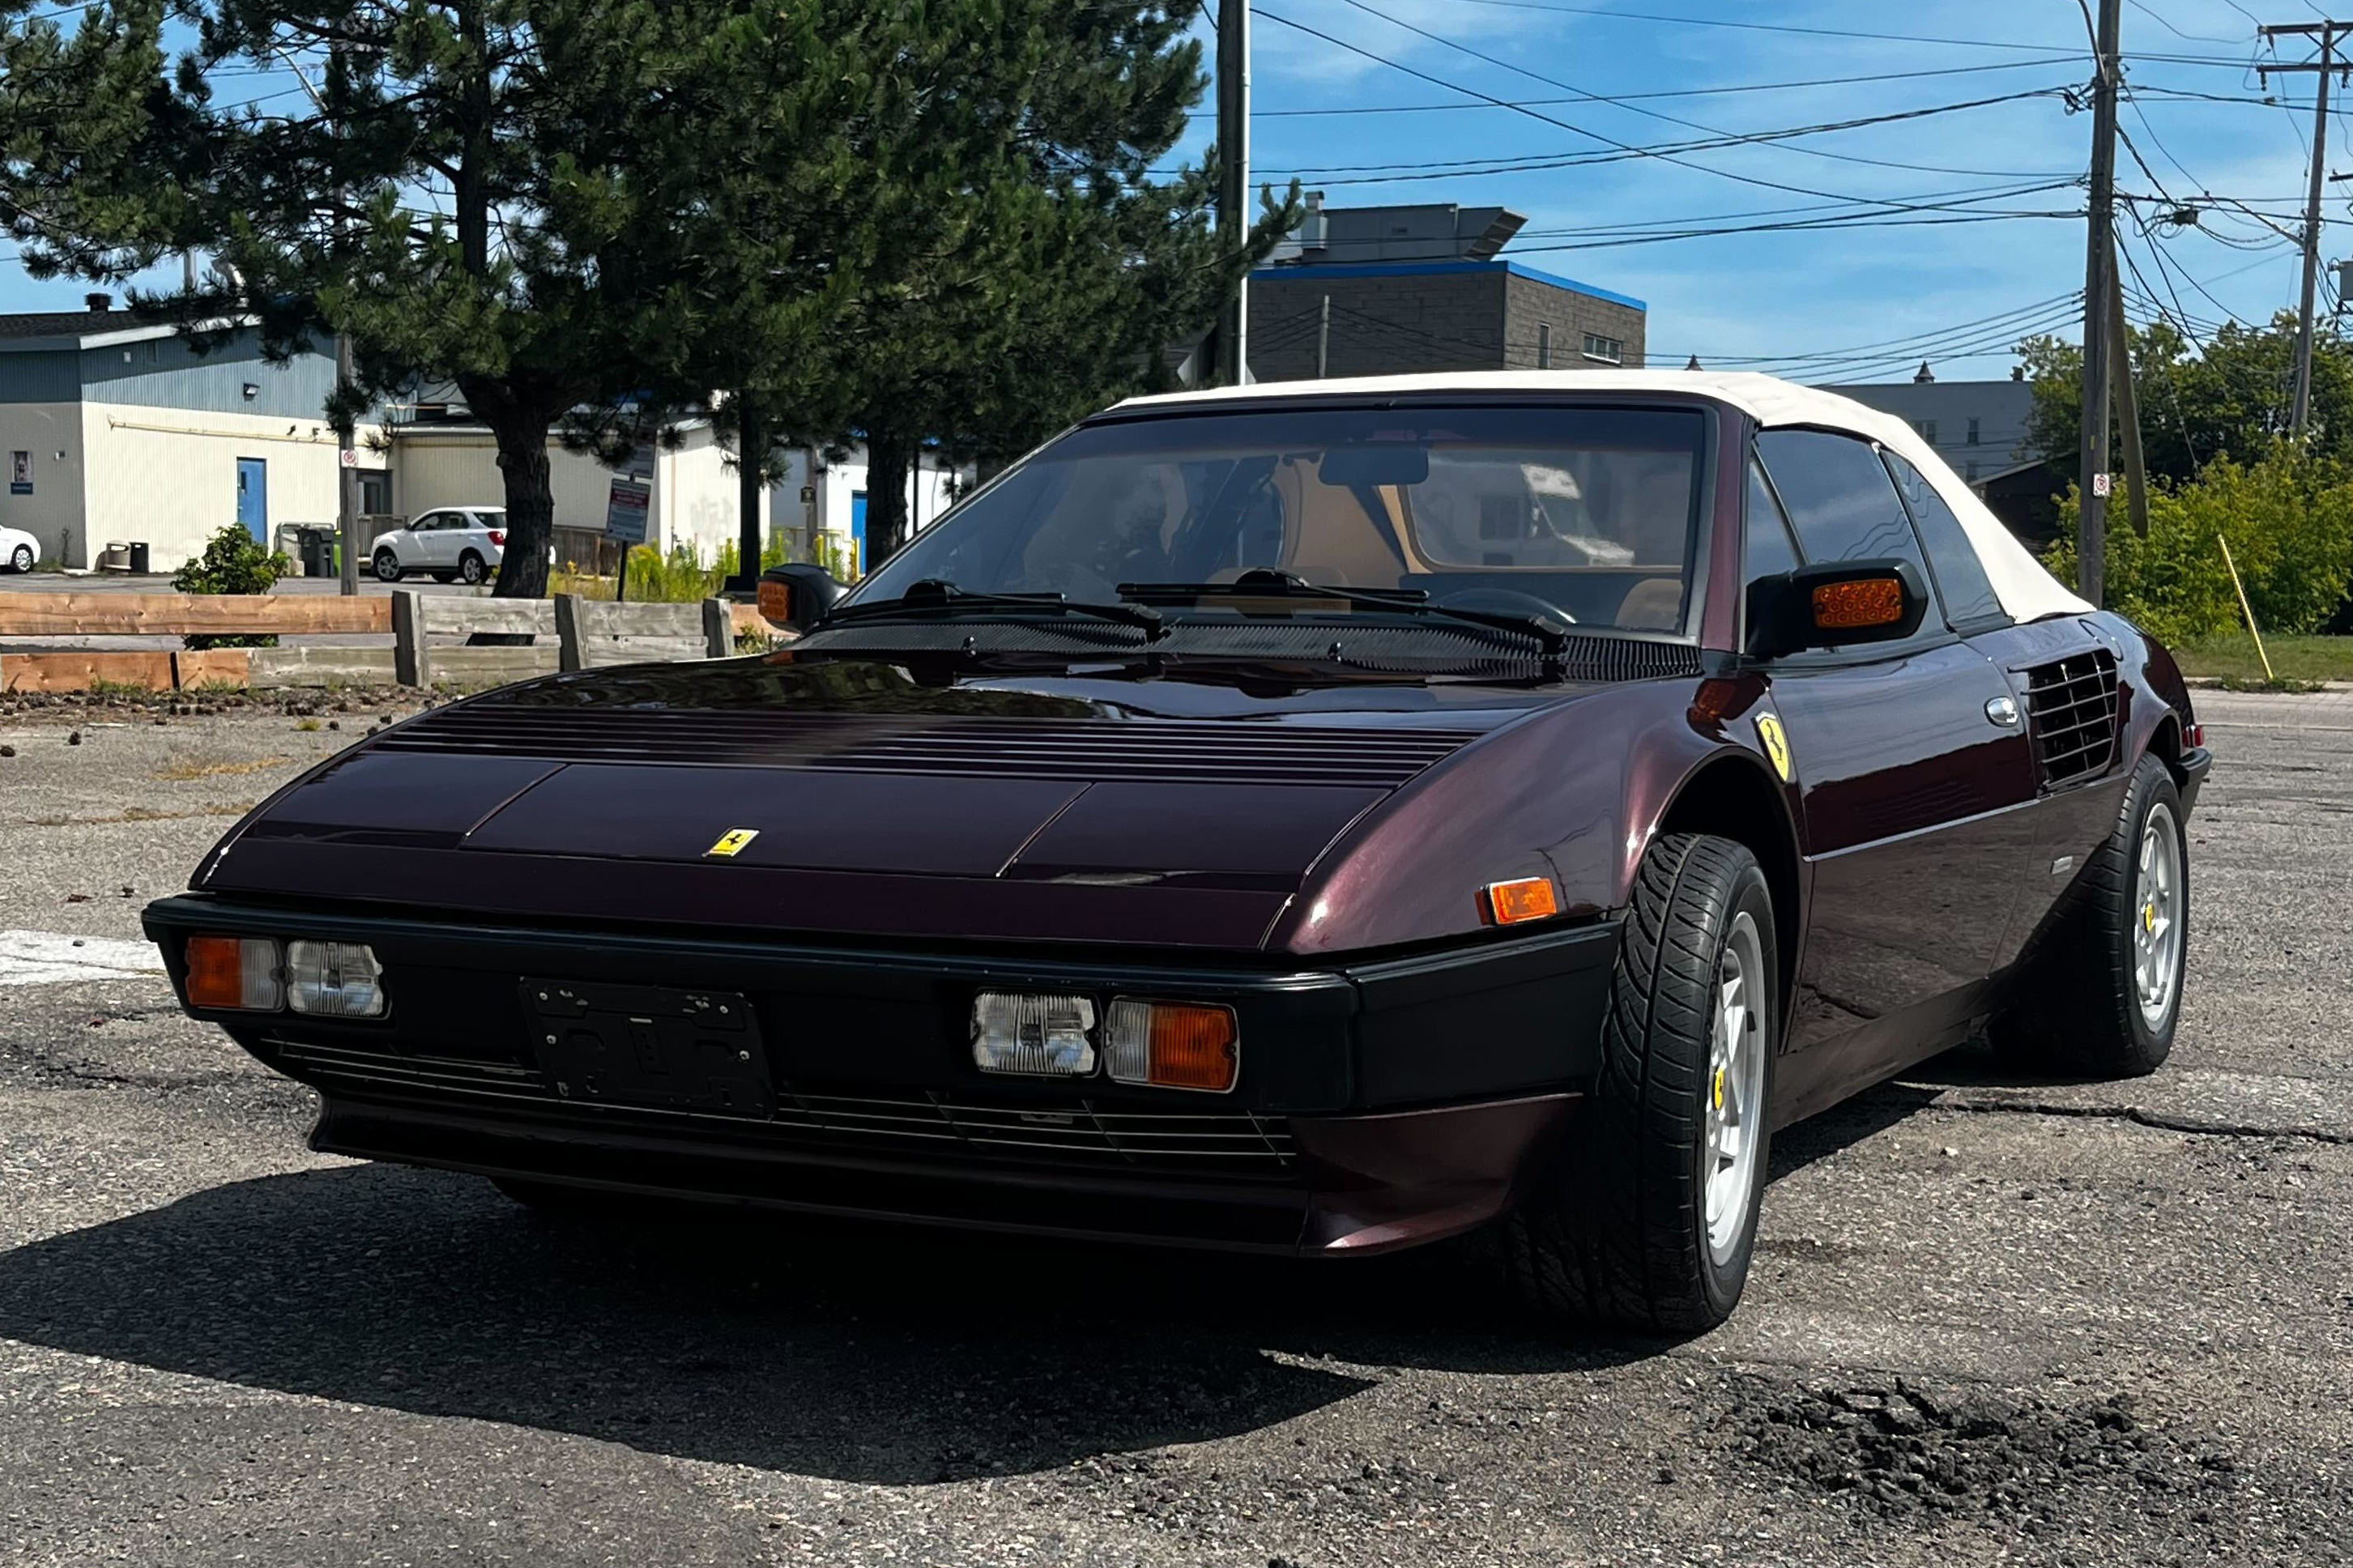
(387, 566)
(471, 568)
(1647, 1217)
(20, 560)
(2099, 991)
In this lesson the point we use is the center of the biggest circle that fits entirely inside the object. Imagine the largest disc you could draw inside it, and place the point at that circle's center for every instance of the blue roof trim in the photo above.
(1436, 268)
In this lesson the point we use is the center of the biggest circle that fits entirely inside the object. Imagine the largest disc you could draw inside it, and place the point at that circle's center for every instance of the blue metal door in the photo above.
(858, 530)
(253, 497)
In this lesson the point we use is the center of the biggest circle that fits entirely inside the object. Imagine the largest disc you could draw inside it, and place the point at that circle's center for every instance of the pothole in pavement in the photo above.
(1902, 1448)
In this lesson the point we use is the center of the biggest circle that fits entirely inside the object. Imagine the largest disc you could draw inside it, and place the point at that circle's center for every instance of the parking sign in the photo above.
(625, 511)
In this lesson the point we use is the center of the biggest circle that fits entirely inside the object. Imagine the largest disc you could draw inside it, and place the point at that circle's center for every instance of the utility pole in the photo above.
(2092, 449)
(2322, 68)
(1233, 181)
(1323, 340)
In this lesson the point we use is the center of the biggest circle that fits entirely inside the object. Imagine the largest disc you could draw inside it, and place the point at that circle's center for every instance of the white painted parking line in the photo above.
(45, 957)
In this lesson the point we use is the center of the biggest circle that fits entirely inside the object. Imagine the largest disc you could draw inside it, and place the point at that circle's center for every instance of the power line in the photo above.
(1614, 15)
(1519, 162)
(1649, 113)
(1356, 109)
(1550, 119)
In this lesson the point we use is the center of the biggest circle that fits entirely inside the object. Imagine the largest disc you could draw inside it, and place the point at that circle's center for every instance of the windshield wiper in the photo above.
(1264, 583)
(934, 596)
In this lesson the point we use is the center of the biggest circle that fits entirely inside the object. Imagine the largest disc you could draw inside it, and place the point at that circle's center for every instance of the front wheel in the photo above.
(1647, 1219)
(387, 566)
(2099, 989)
(20, 560)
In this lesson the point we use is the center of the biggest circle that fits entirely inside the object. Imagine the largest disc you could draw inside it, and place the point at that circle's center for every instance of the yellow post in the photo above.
(2246, 608)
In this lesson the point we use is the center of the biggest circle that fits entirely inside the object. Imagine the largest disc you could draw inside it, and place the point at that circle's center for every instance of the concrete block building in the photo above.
(1398, 289)
(115, 431)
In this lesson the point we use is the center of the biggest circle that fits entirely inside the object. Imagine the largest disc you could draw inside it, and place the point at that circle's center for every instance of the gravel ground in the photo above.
(2046, 1324)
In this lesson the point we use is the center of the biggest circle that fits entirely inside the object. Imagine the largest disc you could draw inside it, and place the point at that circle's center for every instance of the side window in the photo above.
(1770, 553)
(1970, 602)
(1842, 503)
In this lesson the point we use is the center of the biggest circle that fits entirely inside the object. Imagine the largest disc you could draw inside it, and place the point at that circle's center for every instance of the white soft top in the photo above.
(2027, 591)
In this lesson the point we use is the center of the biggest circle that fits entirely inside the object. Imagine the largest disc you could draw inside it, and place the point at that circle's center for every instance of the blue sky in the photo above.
(1965, 289)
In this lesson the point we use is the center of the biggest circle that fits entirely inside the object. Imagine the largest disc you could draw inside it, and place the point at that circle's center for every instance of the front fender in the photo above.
(1573, 792)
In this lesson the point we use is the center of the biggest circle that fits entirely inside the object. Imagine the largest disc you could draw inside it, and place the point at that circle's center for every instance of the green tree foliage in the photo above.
(2230, 398)
(2289, 519)
(233, 561)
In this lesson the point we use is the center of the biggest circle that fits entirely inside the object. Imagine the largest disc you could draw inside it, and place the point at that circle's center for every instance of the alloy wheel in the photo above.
(2158, 893)
(1735, 1088)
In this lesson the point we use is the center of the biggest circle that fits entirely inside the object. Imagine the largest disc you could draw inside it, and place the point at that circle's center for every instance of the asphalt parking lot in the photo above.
(1991, 1320)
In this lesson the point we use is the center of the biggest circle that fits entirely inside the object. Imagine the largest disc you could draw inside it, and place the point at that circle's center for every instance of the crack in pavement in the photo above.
(2143, 1117)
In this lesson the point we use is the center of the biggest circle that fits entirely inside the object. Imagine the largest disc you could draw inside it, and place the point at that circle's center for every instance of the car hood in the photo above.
(850, 797)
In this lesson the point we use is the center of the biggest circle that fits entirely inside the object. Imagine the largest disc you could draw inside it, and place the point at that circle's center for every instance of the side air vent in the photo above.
(1145, 750)
(2071, 709)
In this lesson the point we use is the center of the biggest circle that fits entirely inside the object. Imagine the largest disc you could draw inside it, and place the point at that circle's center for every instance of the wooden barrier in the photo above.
(596, 632)
(82, 671)
(178, 615)
(417, 618)
(568, 633)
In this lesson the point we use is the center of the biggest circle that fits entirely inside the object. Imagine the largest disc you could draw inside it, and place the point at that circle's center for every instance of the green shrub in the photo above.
(678, 576)
(233, 561)
(2289, 522)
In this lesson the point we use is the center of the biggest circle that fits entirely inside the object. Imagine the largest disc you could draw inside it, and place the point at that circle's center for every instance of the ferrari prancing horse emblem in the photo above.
(732, 841)
(1776, 744)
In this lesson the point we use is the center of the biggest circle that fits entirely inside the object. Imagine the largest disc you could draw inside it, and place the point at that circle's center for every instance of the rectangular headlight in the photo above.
(1172, 1045)
(334, 979)
(1045, 1035)
(235, 972)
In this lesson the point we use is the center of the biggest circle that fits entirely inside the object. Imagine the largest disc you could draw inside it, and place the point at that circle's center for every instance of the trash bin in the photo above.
(317, 553)
(139, 557)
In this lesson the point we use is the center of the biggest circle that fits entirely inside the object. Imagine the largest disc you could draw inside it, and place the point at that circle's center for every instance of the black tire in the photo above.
(2074, 1005)
(21, 560)
(387, 566)
(1616, 1231)
(472, 568)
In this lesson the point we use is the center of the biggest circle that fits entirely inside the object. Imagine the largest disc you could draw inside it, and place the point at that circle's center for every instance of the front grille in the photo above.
(1073, 1131)
(2070, 708)
(1141, 750)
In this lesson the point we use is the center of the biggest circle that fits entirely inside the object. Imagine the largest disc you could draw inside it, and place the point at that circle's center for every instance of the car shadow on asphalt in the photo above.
(866, 1354)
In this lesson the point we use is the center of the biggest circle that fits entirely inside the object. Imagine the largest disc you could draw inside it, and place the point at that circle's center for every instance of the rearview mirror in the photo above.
(1375, 463)
(794, 597)
(1835, 604)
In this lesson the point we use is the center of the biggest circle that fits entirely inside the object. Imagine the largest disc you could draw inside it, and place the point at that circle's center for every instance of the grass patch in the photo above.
(181, 773)
(2298, 661)
(137, 813)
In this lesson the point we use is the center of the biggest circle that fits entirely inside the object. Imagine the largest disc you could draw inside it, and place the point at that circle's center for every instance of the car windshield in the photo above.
(1587, 514)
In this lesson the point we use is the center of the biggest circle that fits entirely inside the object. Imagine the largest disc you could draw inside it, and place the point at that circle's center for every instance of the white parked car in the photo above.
(453, 543)
(18, 549)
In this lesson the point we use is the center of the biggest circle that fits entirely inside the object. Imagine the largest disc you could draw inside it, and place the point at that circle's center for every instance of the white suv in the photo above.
(454, 543)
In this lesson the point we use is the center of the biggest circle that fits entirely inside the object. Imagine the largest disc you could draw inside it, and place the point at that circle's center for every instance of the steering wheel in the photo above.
(1506, 601)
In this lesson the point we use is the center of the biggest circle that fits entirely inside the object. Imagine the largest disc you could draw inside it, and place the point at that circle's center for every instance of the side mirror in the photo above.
(1835, 604)
(794, 597)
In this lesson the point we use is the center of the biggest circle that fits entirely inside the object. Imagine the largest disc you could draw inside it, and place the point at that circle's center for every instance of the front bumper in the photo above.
(1380, 1103)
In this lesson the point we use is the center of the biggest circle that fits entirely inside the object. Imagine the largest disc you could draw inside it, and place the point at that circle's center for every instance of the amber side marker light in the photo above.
(1526, 899)
(1861, 603)
(776, 602)
(231, 971)
(1172, 1045)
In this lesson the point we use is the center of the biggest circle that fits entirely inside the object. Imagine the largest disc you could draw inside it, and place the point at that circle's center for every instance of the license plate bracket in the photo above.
(649, 1048)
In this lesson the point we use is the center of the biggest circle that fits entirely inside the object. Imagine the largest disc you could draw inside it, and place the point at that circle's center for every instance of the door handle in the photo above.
(2002, 711)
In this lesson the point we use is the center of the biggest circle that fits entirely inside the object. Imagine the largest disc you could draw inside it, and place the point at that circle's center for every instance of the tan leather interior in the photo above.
(1653, 604)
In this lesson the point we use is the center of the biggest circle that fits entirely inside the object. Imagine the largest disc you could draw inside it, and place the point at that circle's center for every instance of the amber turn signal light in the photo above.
(776, 602)
(1172, 1045)
(1526, 899)
(1858, 602)
(232, 972)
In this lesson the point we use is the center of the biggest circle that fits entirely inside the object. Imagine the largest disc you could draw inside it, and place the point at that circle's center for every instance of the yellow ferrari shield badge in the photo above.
(732, 842)
(1776, 744)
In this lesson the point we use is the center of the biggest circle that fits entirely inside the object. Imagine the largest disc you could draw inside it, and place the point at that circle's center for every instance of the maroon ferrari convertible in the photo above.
(1321, 818)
